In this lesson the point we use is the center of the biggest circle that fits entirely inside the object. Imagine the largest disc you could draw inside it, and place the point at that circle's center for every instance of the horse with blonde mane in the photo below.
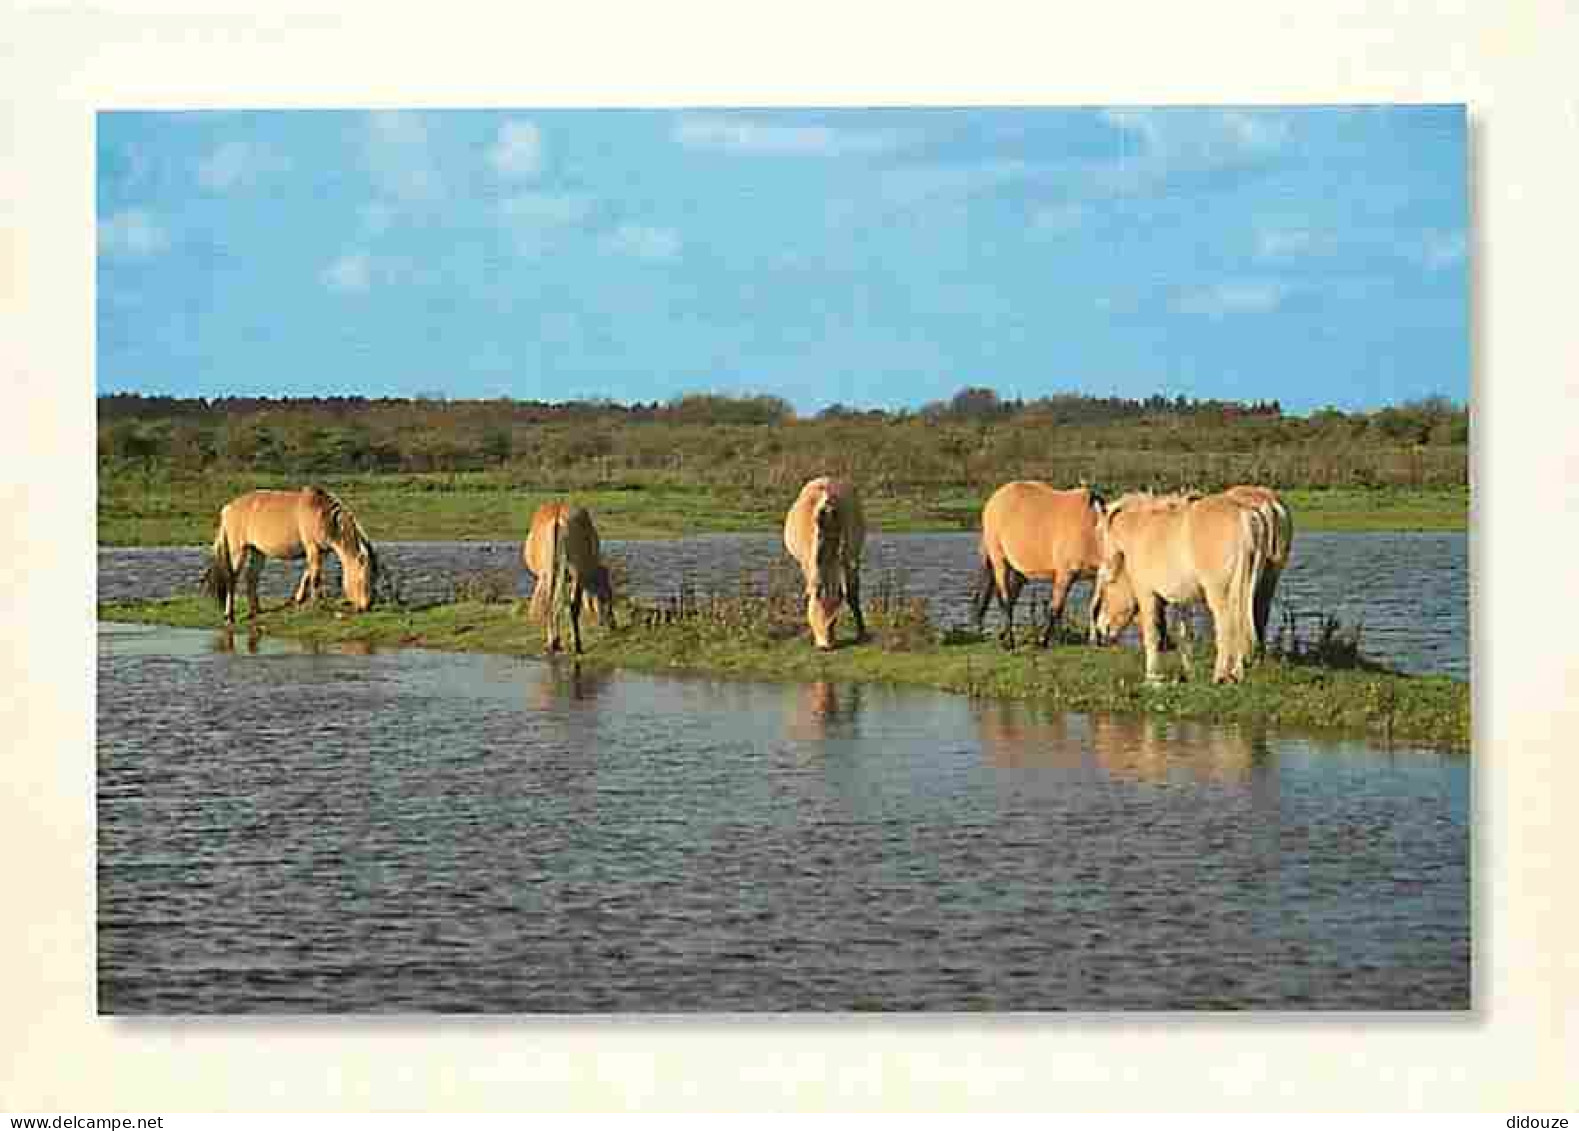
(562, 551)
(1280, 525)
(289, 525)
(824, 532)
(1030, 530)
(1179, 549)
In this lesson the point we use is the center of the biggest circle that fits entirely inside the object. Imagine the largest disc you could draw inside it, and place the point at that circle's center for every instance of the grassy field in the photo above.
(1303, 686)
(163, 510)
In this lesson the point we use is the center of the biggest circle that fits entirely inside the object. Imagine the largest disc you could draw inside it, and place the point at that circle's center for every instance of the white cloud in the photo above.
(1442, 249)
(644, 242)
(237, 163)
(518, 152)
(1230, 298)
(731, 134)
(350, 274)
(132, 232)
(399, 160)
(1185, 141)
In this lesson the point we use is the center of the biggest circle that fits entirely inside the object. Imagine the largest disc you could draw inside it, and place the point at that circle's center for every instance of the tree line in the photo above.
(969, 439)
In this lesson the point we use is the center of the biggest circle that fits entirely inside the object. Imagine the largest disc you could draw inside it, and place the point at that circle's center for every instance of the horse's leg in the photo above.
(1008, 594)
(1055, 606)
(1148, 613)
(852, 595)
(1229, 665)
(230, 586)
(989, 586)
(1264, 594)
(308, 585)
(254, 560)
(575, 614)
(1186, 638)
(1164, 641)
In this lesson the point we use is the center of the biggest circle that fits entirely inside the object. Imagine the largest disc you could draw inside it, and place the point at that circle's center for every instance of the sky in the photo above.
(872, 258)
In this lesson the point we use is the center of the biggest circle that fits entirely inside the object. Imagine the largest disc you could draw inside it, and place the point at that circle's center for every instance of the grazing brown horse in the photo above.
(824, 532)
(562, 551)
(1032, 530)
(1280, 525)
(289, 525)
(1180, 549)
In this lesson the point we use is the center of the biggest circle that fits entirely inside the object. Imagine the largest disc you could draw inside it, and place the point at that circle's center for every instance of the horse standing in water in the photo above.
(824, 532)
(561, 550)
(1032, 530)
(289, 525)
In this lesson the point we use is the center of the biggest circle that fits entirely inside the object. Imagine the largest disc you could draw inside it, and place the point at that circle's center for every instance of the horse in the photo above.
(1119, 599)
(289, 525)
(561, 550)
(1281, 526)
(824, 532)
(1032, 530)
(1180, 549)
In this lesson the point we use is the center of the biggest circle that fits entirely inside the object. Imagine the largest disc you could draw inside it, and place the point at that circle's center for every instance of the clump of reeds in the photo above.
(769, 605)
(1317, 639)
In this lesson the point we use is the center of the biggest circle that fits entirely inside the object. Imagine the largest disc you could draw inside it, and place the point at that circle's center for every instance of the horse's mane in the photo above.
(343, 526)
(1146, 500)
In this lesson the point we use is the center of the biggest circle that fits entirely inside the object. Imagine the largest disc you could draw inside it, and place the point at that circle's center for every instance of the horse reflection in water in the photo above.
(1139, 749)
(559, 683)
(818, 707)
(225, 641)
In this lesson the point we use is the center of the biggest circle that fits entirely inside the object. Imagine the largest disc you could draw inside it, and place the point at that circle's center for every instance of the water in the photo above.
(1410, 592)
(410, 831)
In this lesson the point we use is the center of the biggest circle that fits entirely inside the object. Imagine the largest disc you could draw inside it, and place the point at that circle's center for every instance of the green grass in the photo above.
(137, 510)
(756, 638)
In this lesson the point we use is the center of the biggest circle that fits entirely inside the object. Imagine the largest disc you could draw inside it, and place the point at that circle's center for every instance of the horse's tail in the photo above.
(220, 576)
(1282, 532)
(545, 598)
(1255, 544)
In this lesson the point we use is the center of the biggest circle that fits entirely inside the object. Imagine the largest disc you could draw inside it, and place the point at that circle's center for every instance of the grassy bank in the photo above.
(1306, 685)
(161, 509)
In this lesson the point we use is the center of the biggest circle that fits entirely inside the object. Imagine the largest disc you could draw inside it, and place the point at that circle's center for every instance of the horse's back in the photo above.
(1041, 529)
(273, 522)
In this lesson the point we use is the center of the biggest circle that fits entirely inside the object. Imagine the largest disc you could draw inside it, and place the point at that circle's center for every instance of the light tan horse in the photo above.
(562, 551)
(1179, 549)
(1032, 530)
(289, 525)
(1280, 524)
(1119, 605)
(824, 532)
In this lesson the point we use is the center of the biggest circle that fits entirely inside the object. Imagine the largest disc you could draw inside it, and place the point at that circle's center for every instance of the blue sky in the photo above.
(869, 257)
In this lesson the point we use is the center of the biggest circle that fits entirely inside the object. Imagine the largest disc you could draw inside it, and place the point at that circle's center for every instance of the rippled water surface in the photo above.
(282, 831)
(1409, 592)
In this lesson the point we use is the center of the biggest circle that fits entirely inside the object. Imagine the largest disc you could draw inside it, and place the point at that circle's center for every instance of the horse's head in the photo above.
(360, 571)
(600, 595)
(1113, 602)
